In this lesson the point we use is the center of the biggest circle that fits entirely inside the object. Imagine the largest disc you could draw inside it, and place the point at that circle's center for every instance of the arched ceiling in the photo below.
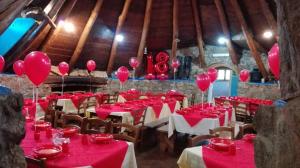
(60, 44)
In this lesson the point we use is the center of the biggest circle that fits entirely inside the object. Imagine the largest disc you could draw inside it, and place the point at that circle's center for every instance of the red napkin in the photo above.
(44, 104)
(244, 156)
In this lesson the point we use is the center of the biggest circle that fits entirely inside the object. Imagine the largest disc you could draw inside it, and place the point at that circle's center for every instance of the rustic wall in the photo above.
(156, 86)
(262, 91)
(22, 85)
(246, 62)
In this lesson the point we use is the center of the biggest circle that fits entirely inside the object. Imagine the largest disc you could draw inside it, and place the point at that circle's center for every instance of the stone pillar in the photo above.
(277, 142)
(12, 131)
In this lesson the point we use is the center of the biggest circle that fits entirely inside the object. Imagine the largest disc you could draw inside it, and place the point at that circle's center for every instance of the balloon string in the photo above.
(202, 99)
(174, 79)
(90, 83)
(33, 95)
(62, 86)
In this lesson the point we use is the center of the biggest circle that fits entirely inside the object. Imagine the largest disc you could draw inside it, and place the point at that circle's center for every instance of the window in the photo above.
(224, 74)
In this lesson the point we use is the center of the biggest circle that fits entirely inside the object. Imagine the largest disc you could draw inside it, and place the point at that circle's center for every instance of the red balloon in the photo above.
(19, 67)
(2, 63)
(37, 67)
(122, 74)
(274, 60)
(134, 62)
(244, 75)
(175, 64)
(150, 76)
(63, 68)
(91, 65)
(203, 81)
(213, 74)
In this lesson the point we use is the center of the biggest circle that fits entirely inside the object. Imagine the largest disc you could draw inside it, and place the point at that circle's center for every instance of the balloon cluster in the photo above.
(158, 70)
(204, 80)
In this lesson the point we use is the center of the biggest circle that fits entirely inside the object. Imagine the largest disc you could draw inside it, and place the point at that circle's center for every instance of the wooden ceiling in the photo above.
(60, 45)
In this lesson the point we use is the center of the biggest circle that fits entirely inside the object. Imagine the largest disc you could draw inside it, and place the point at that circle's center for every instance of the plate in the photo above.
(70, 131)
(41, 125)
(249, 137)
(46, 151)
(221, 144)
(102, 138)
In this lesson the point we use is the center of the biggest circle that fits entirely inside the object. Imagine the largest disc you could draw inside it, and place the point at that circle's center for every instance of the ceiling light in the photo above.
(67, 26)
(222, 40)
(119, 37)
(268, 34)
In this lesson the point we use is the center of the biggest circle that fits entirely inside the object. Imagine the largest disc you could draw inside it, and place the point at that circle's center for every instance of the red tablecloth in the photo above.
(80, 154)
(244, 157)
(31, 106)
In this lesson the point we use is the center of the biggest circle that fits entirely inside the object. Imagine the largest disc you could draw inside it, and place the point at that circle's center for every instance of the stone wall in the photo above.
(256, 90)
(187, 87)
(22, 85)
(246, 61)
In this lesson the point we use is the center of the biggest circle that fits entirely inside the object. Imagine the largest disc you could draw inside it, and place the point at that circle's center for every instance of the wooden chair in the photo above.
(31, 162)
(241, 111)
(222, 132)
(193, 97)
(50, 112)
(89, 107)
(246, 129)
(130, 133)
(196, 140)
(58, 118)
(141, 115)
(72, 120)
(95, 126)
(166, 144)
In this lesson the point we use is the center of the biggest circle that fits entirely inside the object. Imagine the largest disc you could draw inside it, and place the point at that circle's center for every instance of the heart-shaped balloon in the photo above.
(213, 74)
(37, 67)
(244, 75)
(91, 65)
(63, 68)
(19, 67)
(274, 60)
(203, 81)
(2, 63)
(122, 74)
(134, 62)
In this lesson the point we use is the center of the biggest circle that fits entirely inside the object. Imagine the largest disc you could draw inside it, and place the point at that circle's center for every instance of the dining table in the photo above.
(32, 109)
(82, 151)
(208, 157)
(198, 119)
(155, 109)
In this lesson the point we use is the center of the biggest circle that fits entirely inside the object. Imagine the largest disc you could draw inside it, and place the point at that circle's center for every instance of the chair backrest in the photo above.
(58, 118)
(193, 97)
(139, 116)
(50, 112)
(195, 140)
(96, 126)
(72, 120)
(35, 163)
(246, 129)
(126, 132)
(224, 132)
(113, 98)
(219, 101)
(241, 111)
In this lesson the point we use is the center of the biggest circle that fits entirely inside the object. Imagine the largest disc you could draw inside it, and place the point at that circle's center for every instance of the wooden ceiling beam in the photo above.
(249, 38)
(114, 47)
(85, 33)
(146, 24)
(269, 16)
(175, 39)
(54, 34)
(198, 29)
(221, 12)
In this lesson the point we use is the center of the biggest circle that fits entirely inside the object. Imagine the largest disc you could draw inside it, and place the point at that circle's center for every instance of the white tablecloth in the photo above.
(67, 105)
(129, 160)
(178, 123)
(191, 158)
